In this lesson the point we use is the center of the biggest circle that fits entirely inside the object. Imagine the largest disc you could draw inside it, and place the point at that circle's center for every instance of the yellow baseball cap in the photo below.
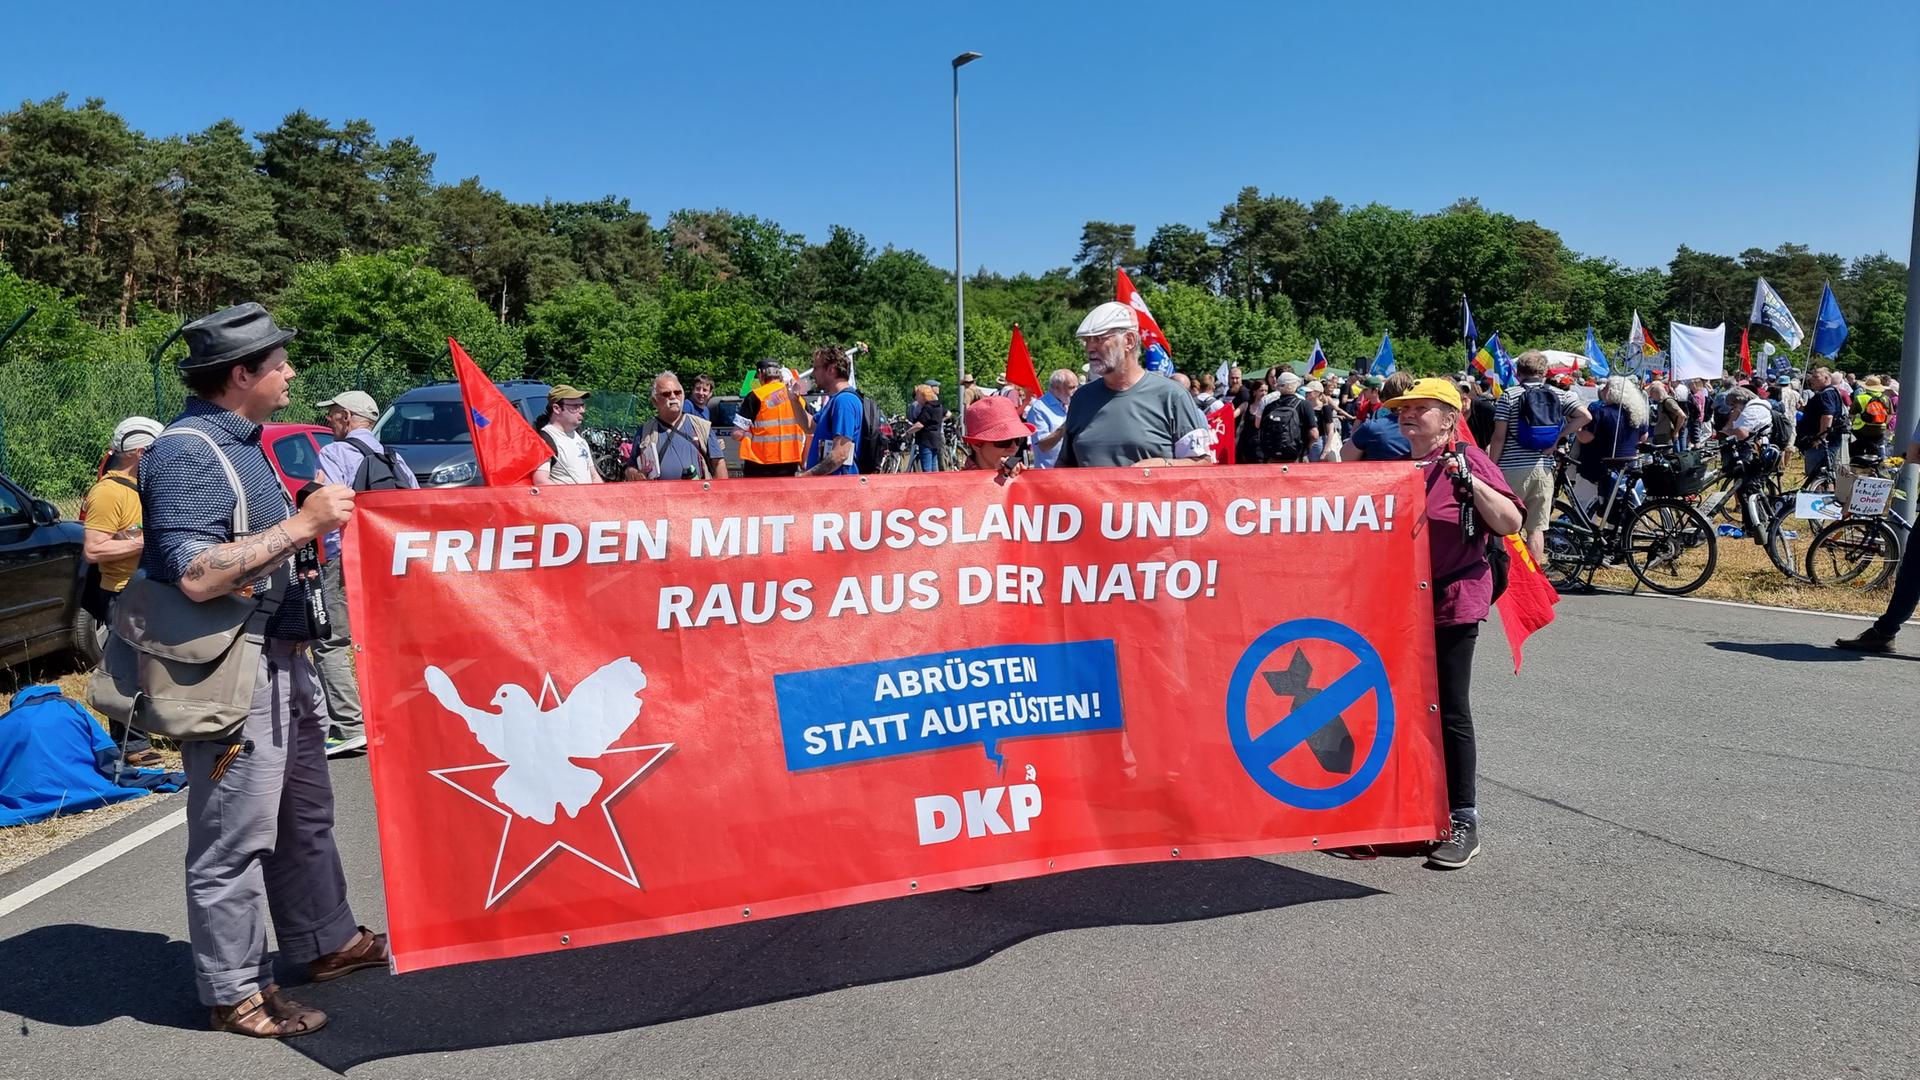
(1441, 390)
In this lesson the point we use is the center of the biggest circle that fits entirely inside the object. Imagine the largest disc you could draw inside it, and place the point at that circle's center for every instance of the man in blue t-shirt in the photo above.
(836, 430)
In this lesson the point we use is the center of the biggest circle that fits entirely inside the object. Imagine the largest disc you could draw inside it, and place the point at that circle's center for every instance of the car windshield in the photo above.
(413, 423)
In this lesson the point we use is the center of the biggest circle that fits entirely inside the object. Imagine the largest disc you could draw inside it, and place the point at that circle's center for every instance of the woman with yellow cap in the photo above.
(1457, 472)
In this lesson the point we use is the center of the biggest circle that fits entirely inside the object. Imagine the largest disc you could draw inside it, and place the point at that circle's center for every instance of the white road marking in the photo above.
(82, 867)
(1742, 604)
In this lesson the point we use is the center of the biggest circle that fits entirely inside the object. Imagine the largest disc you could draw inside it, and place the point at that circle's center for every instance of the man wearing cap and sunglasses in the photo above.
(259, 804)
(354, 458)
(1121, 417)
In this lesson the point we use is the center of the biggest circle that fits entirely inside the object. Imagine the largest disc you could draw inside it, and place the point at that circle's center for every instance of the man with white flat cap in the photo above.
(1124, 416)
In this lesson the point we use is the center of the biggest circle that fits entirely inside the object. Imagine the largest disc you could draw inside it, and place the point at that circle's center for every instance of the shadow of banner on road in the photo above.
(659, 980)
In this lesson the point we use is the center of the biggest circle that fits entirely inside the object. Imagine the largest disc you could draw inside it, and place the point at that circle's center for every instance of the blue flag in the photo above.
(1597, 357)
(1829, 327)
(1383, 360)
(1771, 311)
(1472, 332)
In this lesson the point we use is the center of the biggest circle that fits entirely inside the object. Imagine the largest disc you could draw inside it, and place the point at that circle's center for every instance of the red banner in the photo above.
(599, 713)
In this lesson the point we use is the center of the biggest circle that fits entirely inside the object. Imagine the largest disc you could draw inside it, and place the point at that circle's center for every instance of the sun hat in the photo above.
(1107, 318)
(1439, 390)
(563, 392)
(995, 418)
(231, 335)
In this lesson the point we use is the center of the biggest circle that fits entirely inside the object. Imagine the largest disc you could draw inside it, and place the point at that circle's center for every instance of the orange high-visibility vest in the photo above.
(776, 438)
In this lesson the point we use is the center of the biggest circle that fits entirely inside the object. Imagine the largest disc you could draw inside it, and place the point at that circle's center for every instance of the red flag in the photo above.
(1220, 419)
(1150, 335)
(1646, 338)
(1020, 365)
(1746, 358)
(1527, 605)
(506, 447)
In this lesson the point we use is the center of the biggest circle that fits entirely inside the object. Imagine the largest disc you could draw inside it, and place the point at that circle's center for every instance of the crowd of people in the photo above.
(260, 809)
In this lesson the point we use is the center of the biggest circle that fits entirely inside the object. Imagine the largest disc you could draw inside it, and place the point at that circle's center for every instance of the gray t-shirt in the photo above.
(679, 448)
(1106, 429)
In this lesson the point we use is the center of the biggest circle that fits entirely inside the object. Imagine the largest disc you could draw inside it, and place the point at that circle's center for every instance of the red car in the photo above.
(294, 450)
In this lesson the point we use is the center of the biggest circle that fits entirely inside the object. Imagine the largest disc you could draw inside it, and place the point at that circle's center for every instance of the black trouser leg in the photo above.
(1906, 593)
(1453, 658)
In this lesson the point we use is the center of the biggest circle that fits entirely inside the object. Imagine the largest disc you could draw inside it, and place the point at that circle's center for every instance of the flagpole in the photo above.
(959, 263)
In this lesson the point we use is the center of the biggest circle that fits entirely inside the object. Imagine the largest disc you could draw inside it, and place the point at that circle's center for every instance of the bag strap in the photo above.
(241, 523)
(123, 481)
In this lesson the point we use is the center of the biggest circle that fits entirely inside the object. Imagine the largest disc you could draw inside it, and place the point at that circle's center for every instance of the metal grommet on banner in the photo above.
(745, 912)
(1176, 853)
(533, 491)
(706, 485)
(1283, 468)
(912, 885)
(1433, 708)
(1315, 841)
(566, 939)
(1423, 585)
(1049, 864)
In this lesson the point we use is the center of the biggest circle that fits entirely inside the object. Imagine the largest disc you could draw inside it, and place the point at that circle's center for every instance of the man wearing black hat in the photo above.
(259, 804)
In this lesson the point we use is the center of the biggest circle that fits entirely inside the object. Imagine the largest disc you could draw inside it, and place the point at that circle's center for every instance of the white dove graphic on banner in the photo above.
(535, 743)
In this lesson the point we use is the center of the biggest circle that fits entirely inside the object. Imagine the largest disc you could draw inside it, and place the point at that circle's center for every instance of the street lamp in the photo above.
(959, 264)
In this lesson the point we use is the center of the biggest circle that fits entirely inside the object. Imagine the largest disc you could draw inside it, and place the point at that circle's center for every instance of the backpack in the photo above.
(1537, 421)
(377, 472)
(1283, 431)
(1781, 433)
(1870, 417)
(872, 445)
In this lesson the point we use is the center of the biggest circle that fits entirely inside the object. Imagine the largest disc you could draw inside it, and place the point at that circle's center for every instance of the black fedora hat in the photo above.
(231, 335)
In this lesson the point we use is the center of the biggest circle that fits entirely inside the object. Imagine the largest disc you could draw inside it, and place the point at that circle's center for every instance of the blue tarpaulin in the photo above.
(52, 755)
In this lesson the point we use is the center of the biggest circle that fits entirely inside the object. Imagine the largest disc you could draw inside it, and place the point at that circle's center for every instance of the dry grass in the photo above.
(21, 844)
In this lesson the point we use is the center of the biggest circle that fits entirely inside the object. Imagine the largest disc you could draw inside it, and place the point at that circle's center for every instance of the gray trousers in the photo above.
(334, 658)
(260, 840)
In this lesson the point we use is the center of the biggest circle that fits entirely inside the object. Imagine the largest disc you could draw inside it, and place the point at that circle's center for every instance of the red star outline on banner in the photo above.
(592, 834)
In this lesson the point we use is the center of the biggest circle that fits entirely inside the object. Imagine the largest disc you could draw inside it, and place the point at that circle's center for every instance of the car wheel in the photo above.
(87, 634)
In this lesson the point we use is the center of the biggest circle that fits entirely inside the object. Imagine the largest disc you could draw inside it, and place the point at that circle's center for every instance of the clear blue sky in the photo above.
(1630, 127)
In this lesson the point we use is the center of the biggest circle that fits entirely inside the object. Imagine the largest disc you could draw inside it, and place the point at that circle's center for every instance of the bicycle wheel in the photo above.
(1856, 552)
(1670, 547)
(1789, 540)
(1566, 548)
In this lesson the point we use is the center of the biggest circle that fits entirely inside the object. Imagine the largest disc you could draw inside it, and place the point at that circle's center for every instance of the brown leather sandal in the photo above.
(268, 1014)
(366, 950)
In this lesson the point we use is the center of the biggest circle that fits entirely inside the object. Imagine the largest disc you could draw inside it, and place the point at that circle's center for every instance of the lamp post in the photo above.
(1910, 360)
(959, 263)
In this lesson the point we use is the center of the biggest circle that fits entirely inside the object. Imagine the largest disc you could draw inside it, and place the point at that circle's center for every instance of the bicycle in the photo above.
(1666, 542)
(897, 454)
(1860, 549)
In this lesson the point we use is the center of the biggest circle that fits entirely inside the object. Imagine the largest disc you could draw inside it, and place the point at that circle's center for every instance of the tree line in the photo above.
(118, 236)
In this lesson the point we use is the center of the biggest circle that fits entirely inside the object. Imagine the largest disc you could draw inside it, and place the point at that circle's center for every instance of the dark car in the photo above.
(41, 571)
(721, 411)
(428, 426)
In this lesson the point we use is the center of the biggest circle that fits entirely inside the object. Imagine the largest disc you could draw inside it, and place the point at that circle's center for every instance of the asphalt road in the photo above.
(1700, 860)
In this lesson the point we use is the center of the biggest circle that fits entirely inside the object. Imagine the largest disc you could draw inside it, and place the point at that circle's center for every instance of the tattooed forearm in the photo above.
(229, 564)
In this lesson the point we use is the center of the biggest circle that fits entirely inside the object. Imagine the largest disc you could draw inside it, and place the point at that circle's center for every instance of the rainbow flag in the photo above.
(1484, 364)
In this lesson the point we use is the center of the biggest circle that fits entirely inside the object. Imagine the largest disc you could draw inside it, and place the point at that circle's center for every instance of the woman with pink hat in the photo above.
(996, 436)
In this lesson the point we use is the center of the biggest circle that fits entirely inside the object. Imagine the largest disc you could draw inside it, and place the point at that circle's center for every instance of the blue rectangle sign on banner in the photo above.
(887, 708)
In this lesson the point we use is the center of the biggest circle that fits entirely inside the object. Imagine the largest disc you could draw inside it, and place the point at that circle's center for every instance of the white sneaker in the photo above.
(336, 747)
